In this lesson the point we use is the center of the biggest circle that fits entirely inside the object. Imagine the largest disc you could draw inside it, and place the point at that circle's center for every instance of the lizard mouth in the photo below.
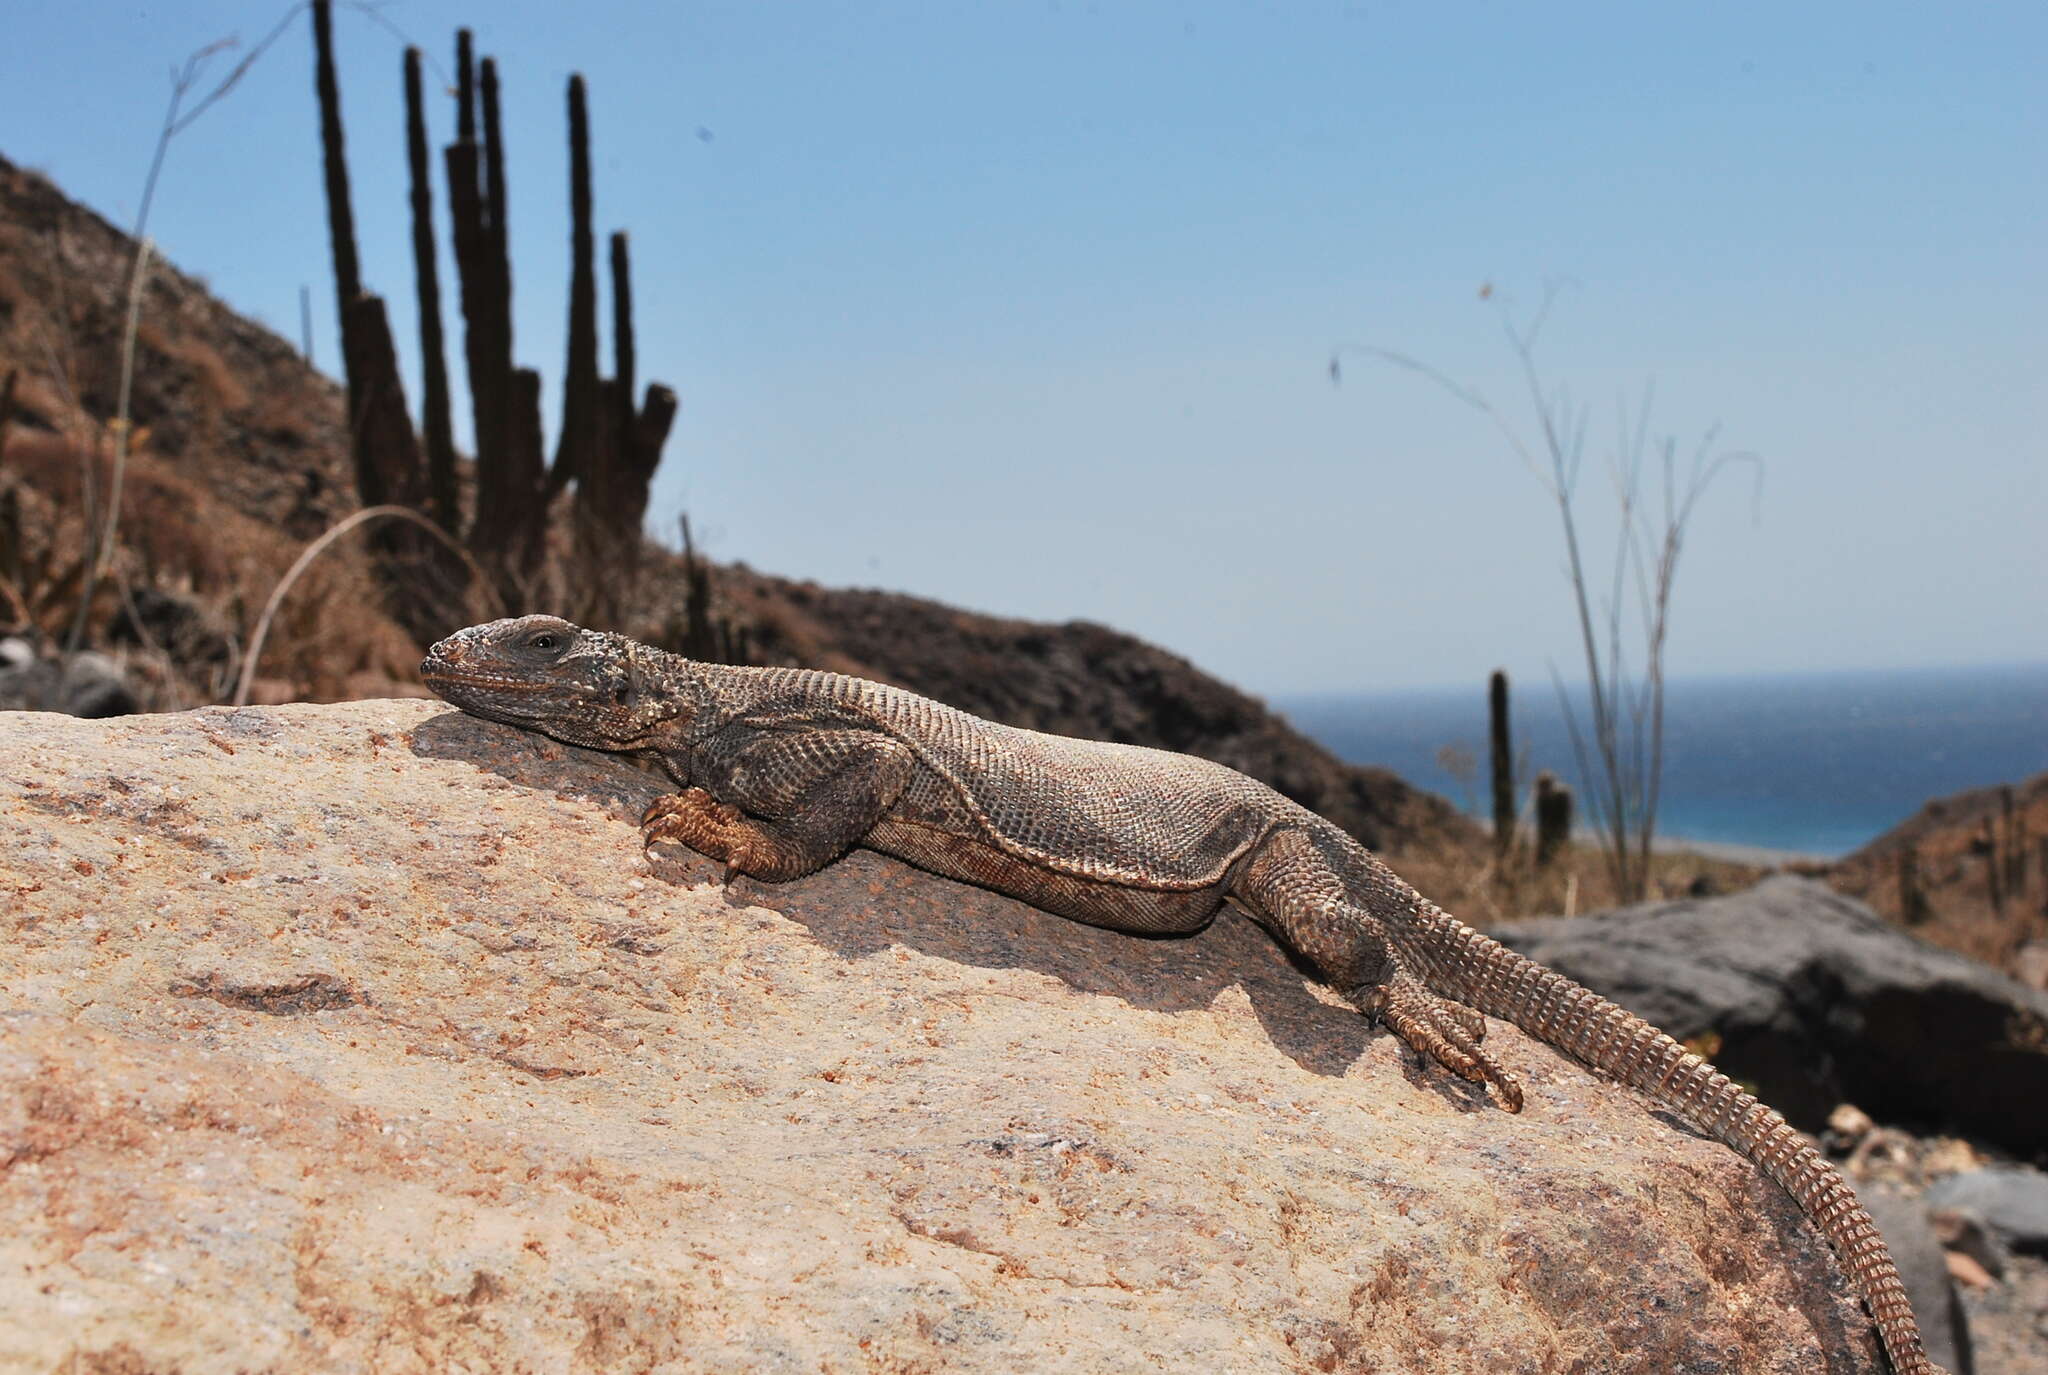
(435, 675)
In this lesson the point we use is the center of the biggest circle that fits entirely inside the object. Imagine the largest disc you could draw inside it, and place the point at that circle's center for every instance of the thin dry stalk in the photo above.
(176, 121)
(103, 551)
(1621, 765)
(314, 550)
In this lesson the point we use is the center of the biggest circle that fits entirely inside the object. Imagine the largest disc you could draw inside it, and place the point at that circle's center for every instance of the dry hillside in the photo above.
(242, 458)
(1969, 872)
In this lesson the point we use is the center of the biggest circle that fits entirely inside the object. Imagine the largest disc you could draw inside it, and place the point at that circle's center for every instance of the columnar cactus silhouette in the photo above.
(608, 449)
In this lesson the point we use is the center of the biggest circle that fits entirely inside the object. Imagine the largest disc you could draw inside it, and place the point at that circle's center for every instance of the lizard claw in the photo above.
(691, 818)
(690, 801)
(1438, 1030)
(695, 819)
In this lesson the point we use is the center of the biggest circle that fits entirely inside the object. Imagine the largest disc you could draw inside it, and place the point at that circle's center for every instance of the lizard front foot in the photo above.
(1438, 1029)
(710, 827)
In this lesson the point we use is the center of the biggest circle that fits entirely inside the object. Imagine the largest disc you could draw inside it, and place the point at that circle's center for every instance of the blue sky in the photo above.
(1028, 307)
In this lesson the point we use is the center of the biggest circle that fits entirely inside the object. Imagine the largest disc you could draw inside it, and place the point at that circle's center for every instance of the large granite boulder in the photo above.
(364, 1038)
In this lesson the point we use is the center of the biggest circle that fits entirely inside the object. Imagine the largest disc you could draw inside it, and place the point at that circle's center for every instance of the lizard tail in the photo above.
(1461, 963)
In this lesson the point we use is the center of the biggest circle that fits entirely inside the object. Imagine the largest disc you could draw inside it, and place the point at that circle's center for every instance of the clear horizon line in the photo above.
(1578, 685)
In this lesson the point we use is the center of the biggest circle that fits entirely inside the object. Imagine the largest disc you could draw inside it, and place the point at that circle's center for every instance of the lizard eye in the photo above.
(546, 639)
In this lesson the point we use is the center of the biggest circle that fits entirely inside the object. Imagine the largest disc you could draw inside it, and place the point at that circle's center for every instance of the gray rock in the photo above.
(2012, 1201)
(1909, 1234)
(83, 684)
(1818, 1001)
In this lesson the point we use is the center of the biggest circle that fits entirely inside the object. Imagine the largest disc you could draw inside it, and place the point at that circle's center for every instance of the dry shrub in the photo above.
(218, 380)
(328, 639)
(174, 530)
(1468, 881)
(1957, 842)
(42, 559)
(277, 417)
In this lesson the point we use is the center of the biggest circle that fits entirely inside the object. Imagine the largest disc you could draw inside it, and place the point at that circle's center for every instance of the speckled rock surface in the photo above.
(363, 1037)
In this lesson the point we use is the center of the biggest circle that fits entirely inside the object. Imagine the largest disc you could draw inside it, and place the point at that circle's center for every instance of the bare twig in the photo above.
(15, 600)
(183, 79)
(103, 549)
(1621, 762)
(176, 120)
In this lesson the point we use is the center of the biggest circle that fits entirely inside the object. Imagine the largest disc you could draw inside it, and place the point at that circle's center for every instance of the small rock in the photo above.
(1950, 1155)
(2030, 964)
(1963, 1269)
(1850, 1124)
(1963, 1235)
(1924, 1266)
(2012, 1200)
(85, 684)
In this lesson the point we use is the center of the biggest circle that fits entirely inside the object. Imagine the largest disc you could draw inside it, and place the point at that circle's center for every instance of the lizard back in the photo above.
(1107, 812)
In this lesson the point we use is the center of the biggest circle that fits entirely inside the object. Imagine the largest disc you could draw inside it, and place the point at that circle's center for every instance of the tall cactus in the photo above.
(2012, 841)
(425, 583)
(1553, 817)
(623, 352)
(387, 452)
(466, 212)
(509, 511)
(519, 424)
(386, 456)
(574, 446)
(497, 216)
(1994, 869)
(634, 436)
(1913, 905)
(465, 87)
(434, 414)
(341, 224)
(1503, 759)
(609, 448)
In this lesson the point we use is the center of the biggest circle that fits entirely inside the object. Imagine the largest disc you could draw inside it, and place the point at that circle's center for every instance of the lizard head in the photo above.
(587, 687)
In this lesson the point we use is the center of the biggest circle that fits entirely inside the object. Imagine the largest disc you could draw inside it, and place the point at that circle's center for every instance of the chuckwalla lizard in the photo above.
(783, 770)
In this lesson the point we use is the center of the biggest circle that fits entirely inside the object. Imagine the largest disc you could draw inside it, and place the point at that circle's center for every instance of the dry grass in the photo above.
(327, 642)
(219, 389)
(1469, 885)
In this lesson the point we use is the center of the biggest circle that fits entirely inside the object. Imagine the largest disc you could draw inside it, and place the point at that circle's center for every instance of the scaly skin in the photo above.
(784, 770)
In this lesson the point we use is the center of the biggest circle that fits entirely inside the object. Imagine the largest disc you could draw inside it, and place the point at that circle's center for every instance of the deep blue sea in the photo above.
(1816, 764)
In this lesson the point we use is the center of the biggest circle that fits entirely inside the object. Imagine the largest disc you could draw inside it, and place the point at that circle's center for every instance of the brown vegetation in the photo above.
(1969, 872)
(238, 457)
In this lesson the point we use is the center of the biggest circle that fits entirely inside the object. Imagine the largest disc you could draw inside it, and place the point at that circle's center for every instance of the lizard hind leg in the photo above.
(1300, 895)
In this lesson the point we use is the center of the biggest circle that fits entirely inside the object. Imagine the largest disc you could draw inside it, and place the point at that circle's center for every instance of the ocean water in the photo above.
(1815, 764)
